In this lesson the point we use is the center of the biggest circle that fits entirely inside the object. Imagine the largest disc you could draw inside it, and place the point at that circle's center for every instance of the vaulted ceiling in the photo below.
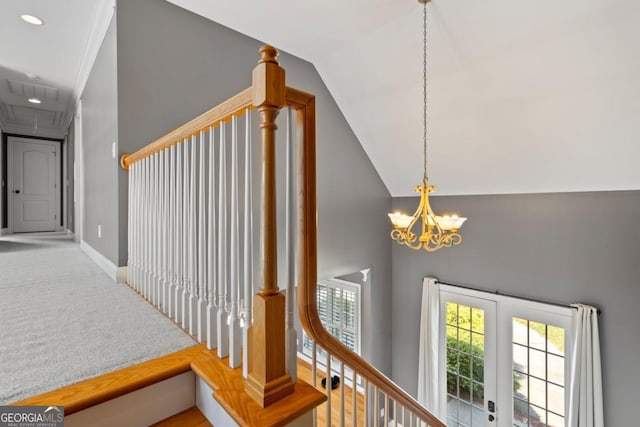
(523, 96)
(536, 96)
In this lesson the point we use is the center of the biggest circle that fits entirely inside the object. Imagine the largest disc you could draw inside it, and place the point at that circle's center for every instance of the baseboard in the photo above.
(118, 274)
(4, 231)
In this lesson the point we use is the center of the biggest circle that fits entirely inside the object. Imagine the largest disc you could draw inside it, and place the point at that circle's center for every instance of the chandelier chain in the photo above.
(424, 87)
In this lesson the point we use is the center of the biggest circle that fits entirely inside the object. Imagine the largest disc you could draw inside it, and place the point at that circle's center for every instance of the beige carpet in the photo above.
(63, 320)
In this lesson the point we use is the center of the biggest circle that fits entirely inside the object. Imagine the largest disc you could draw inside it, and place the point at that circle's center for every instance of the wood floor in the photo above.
(189, 418)
(304, 373)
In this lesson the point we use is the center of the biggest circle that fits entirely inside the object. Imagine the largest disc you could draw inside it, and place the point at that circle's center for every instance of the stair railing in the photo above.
(185, 249)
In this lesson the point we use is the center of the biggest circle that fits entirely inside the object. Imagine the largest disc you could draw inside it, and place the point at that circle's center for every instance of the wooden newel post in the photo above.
(268, 381)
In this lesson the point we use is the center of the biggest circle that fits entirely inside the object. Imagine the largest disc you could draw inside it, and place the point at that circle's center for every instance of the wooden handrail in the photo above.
(236, 105)
(266, 383)
(304, 104)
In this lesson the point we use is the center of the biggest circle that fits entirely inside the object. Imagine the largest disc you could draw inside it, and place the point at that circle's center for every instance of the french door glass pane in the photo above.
(465, 365)
(538, 374)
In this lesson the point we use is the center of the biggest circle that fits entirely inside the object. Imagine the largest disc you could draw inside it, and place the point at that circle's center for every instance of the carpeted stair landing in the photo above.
(63, 320)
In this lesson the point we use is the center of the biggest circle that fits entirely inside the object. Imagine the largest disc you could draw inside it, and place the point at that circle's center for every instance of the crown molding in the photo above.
(100, 24)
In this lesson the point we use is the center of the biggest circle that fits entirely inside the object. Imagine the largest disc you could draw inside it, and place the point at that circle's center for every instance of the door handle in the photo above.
(16, 191)
(492, 409)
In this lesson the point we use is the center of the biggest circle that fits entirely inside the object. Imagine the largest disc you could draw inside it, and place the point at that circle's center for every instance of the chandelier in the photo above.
(435, 231)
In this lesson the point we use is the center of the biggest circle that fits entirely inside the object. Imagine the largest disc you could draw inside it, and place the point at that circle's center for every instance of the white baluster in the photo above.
(212, 249)
(366, 402)
(354, 398)
(314, 364)
(154, 230)
(138, 226)
(141, 223)
(235, 337)
(171, 253)
(395, 413)
(202, 233)
(159, 221)
(342, 407)
(291, 334)
(165, 234)
(130, 226)
(185, 234)
(160, 230)
(328, 389)
(133, 188)
(177, 297)
(223, 330)
(376, 406)
(147, 229)
(193, 242)
(248, 245)
(150, 227)
(386, 410)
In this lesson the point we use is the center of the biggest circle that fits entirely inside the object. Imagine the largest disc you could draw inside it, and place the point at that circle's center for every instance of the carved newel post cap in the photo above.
(268, 54)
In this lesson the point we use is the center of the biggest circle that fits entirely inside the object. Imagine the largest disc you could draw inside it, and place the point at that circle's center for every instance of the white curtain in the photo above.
(429, 381)
(585, 388)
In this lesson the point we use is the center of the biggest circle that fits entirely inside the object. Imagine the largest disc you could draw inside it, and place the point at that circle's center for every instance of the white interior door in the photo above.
(34, 188)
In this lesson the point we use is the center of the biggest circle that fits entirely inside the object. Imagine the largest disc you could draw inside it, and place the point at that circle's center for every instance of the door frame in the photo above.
(479, 300)
(17, 139)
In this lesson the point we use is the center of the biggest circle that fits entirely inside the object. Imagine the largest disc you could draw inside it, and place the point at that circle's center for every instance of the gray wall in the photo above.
(568, 247)
(99, 130)
(70, 213)
(173, 65)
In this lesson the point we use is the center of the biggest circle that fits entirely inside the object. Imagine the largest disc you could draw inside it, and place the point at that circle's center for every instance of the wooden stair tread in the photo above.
(228, 389)
(79, 396)
(190, 418)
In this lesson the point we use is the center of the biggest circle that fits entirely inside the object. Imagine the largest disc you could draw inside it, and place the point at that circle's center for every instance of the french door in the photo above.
(505, 360)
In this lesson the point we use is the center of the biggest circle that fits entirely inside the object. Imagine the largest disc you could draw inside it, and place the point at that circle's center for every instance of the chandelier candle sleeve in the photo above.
(435, 231)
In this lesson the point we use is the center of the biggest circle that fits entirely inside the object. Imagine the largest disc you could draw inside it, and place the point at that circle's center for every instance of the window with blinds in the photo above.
(339, 310)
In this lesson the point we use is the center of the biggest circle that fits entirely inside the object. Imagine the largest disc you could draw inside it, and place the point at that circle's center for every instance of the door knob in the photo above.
(16, 191)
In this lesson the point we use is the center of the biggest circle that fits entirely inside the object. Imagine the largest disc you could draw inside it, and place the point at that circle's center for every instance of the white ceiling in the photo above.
(524, 96)
(60, 53)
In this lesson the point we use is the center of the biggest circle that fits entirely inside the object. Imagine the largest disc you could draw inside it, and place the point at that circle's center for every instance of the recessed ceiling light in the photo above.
(32, 76)
(34, 100)
(31, 19)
